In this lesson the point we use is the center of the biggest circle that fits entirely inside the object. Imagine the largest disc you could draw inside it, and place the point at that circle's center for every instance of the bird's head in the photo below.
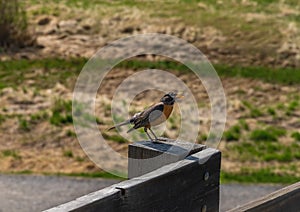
(171, 97)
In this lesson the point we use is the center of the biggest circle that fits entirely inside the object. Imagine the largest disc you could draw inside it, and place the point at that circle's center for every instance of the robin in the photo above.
(152, 116)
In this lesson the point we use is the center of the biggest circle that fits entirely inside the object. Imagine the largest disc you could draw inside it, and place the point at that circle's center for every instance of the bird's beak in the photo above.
(179, 96)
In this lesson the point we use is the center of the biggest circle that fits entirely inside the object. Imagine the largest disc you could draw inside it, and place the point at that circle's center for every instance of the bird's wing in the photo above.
(149, 115)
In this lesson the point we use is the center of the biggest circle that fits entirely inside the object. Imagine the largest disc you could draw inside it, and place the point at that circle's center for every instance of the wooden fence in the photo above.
(187, 180)
(177, 177)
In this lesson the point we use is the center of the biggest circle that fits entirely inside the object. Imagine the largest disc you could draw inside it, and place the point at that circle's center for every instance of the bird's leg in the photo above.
(153, 134)
(145, 129)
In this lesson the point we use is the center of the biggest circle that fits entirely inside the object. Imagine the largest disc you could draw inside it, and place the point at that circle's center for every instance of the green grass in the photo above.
(264, 151)
(268, 134)
(202, 138)
(280, 106)
(243, 124)
(2, 118)
(258, 176)
(292, 106)
(61, 113)
(296, 136)
(11, 153)
(14, 73)
(38, 117)
(70, 133)
(278, 131)
(79, 159)
(254, 111)
(232, 134)
(262, 135)
(24, 125)
(83, 116)
(279, 75)
(68, 153)
(271, 111)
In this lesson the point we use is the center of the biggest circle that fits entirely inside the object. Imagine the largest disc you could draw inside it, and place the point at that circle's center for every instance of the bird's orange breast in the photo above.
(167, 110)
(164, 115)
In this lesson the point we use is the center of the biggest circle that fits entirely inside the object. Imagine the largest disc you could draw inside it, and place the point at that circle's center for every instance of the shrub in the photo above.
(13, 25)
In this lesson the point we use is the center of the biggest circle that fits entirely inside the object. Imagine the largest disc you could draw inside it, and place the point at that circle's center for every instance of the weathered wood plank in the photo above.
(145, 156)
(285, 199)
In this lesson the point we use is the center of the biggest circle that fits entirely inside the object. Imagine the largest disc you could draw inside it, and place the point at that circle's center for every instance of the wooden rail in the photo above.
(176, 176)
(286, 199)
(187, 181)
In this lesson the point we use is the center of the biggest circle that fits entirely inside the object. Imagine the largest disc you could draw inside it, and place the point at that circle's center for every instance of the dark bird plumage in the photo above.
(152, 116)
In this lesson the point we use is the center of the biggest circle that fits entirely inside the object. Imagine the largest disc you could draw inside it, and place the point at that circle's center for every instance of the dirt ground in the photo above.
(46, 148)
(249, 33)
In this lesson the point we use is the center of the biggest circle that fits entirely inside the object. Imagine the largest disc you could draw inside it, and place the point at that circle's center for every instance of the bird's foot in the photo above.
(155, 140)
(162, 139)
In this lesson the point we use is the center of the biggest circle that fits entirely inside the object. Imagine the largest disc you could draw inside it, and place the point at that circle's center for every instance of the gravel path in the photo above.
(233, 195)
(35, 193)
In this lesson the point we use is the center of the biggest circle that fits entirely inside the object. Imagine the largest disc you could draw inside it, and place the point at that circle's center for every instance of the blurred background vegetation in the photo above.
(254, 46)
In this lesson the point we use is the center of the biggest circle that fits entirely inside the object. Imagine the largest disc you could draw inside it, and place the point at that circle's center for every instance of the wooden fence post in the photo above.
(146, 156)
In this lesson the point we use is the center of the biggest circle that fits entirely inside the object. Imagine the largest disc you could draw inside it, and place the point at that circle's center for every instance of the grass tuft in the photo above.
(68, 153)
(233, 134)
(61, 113)
(262, 135)
(24, 125)
(296, 136)
(11, 153)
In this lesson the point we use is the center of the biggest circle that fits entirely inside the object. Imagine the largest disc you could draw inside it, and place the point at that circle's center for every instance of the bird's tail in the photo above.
(131, 129)
(119, 125)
